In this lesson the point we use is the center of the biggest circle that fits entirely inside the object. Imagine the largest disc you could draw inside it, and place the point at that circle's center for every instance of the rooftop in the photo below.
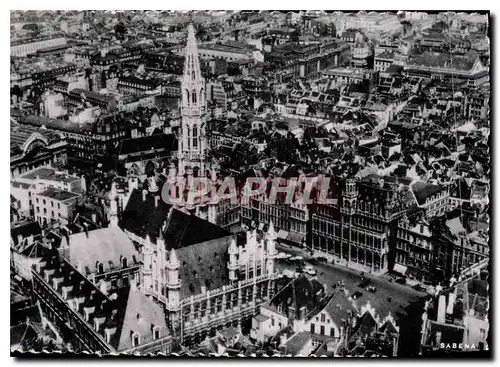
(50, 174)
(57, 194)
(105, 245)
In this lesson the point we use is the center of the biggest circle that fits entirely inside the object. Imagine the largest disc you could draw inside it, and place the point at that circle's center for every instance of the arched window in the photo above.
(194, 97)
(195, 136)
(135, 339)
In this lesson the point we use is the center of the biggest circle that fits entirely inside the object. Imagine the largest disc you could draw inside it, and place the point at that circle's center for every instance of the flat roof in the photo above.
(46, 173)
(57, 194)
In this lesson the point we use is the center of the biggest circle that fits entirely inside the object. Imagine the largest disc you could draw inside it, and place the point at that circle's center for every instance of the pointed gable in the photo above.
(144, 217)
(184, 230)
(388, 328)
(140, 316)
(365, 326)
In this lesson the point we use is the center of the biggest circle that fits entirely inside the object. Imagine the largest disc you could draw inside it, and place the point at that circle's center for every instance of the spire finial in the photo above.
(173, 258)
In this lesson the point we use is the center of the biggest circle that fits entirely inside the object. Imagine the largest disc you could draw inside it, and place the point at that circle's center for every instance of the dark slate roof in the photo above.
(26, 229)
(424, 190)
(365, 326)
(185, 230)
(388, 328)
(300, 292)
(204, 264)
(147, 143)
(144, 218)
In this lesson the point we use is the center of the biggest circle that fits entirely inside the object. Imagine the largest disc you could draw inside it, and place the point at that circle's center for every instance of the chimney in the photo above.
(451, 303)
(441, 309)
(19, 239)
(30, 239)
(144, 194)
(86, 226)
(94, 217)
(291, 312)
(157, 200)
(109, 333)
(302, 314)
(88, 311)
(56, 282)
(103, 287)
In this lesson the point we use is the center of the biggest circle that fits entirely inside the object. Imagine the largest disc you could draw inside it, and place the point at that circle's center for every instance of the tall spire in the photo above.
(192, 142)
(192, 71)
(193, 98)
(172, 261)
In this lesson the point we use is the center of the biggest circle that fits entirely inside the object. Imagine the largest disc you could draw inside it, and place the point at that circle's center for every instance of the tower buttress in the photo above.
(173, 282)
(271, 248)
(233, 261)
(113, 210)
(147, 278)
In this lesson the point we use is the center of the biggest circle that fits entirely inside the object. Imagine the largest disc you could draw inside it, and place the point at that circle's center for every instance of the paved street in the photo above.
(405, 304)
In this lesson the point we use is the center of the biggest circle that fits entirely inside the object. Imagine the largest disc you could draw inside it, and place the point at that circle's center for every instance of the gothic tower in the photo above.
(192, 143)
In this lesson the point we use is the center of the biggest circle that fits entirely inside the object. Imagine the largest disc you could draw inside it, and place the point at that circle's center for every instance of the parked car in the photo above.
(419, 288)
(313, 261)
(311, 272)
(364, 282)
(322, 259)
(357, 294)
(371, 289)
(401, 281)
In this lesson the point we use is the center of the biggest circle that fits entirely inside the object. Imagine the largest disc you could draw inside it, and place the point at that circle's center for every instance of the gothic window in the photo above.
(194, 97)
(195, 136)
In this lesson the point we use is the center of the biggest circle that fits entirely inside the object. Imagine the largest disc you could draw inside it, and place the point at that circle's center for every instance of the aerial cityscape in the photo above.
(250, 183)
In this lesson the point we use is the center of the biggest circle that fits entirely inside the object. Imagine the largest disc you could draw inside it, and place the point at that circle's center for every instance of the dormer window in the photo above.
(156, 333)
(136, 339)
(96, 325)
(124, 262)
(100, 267)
